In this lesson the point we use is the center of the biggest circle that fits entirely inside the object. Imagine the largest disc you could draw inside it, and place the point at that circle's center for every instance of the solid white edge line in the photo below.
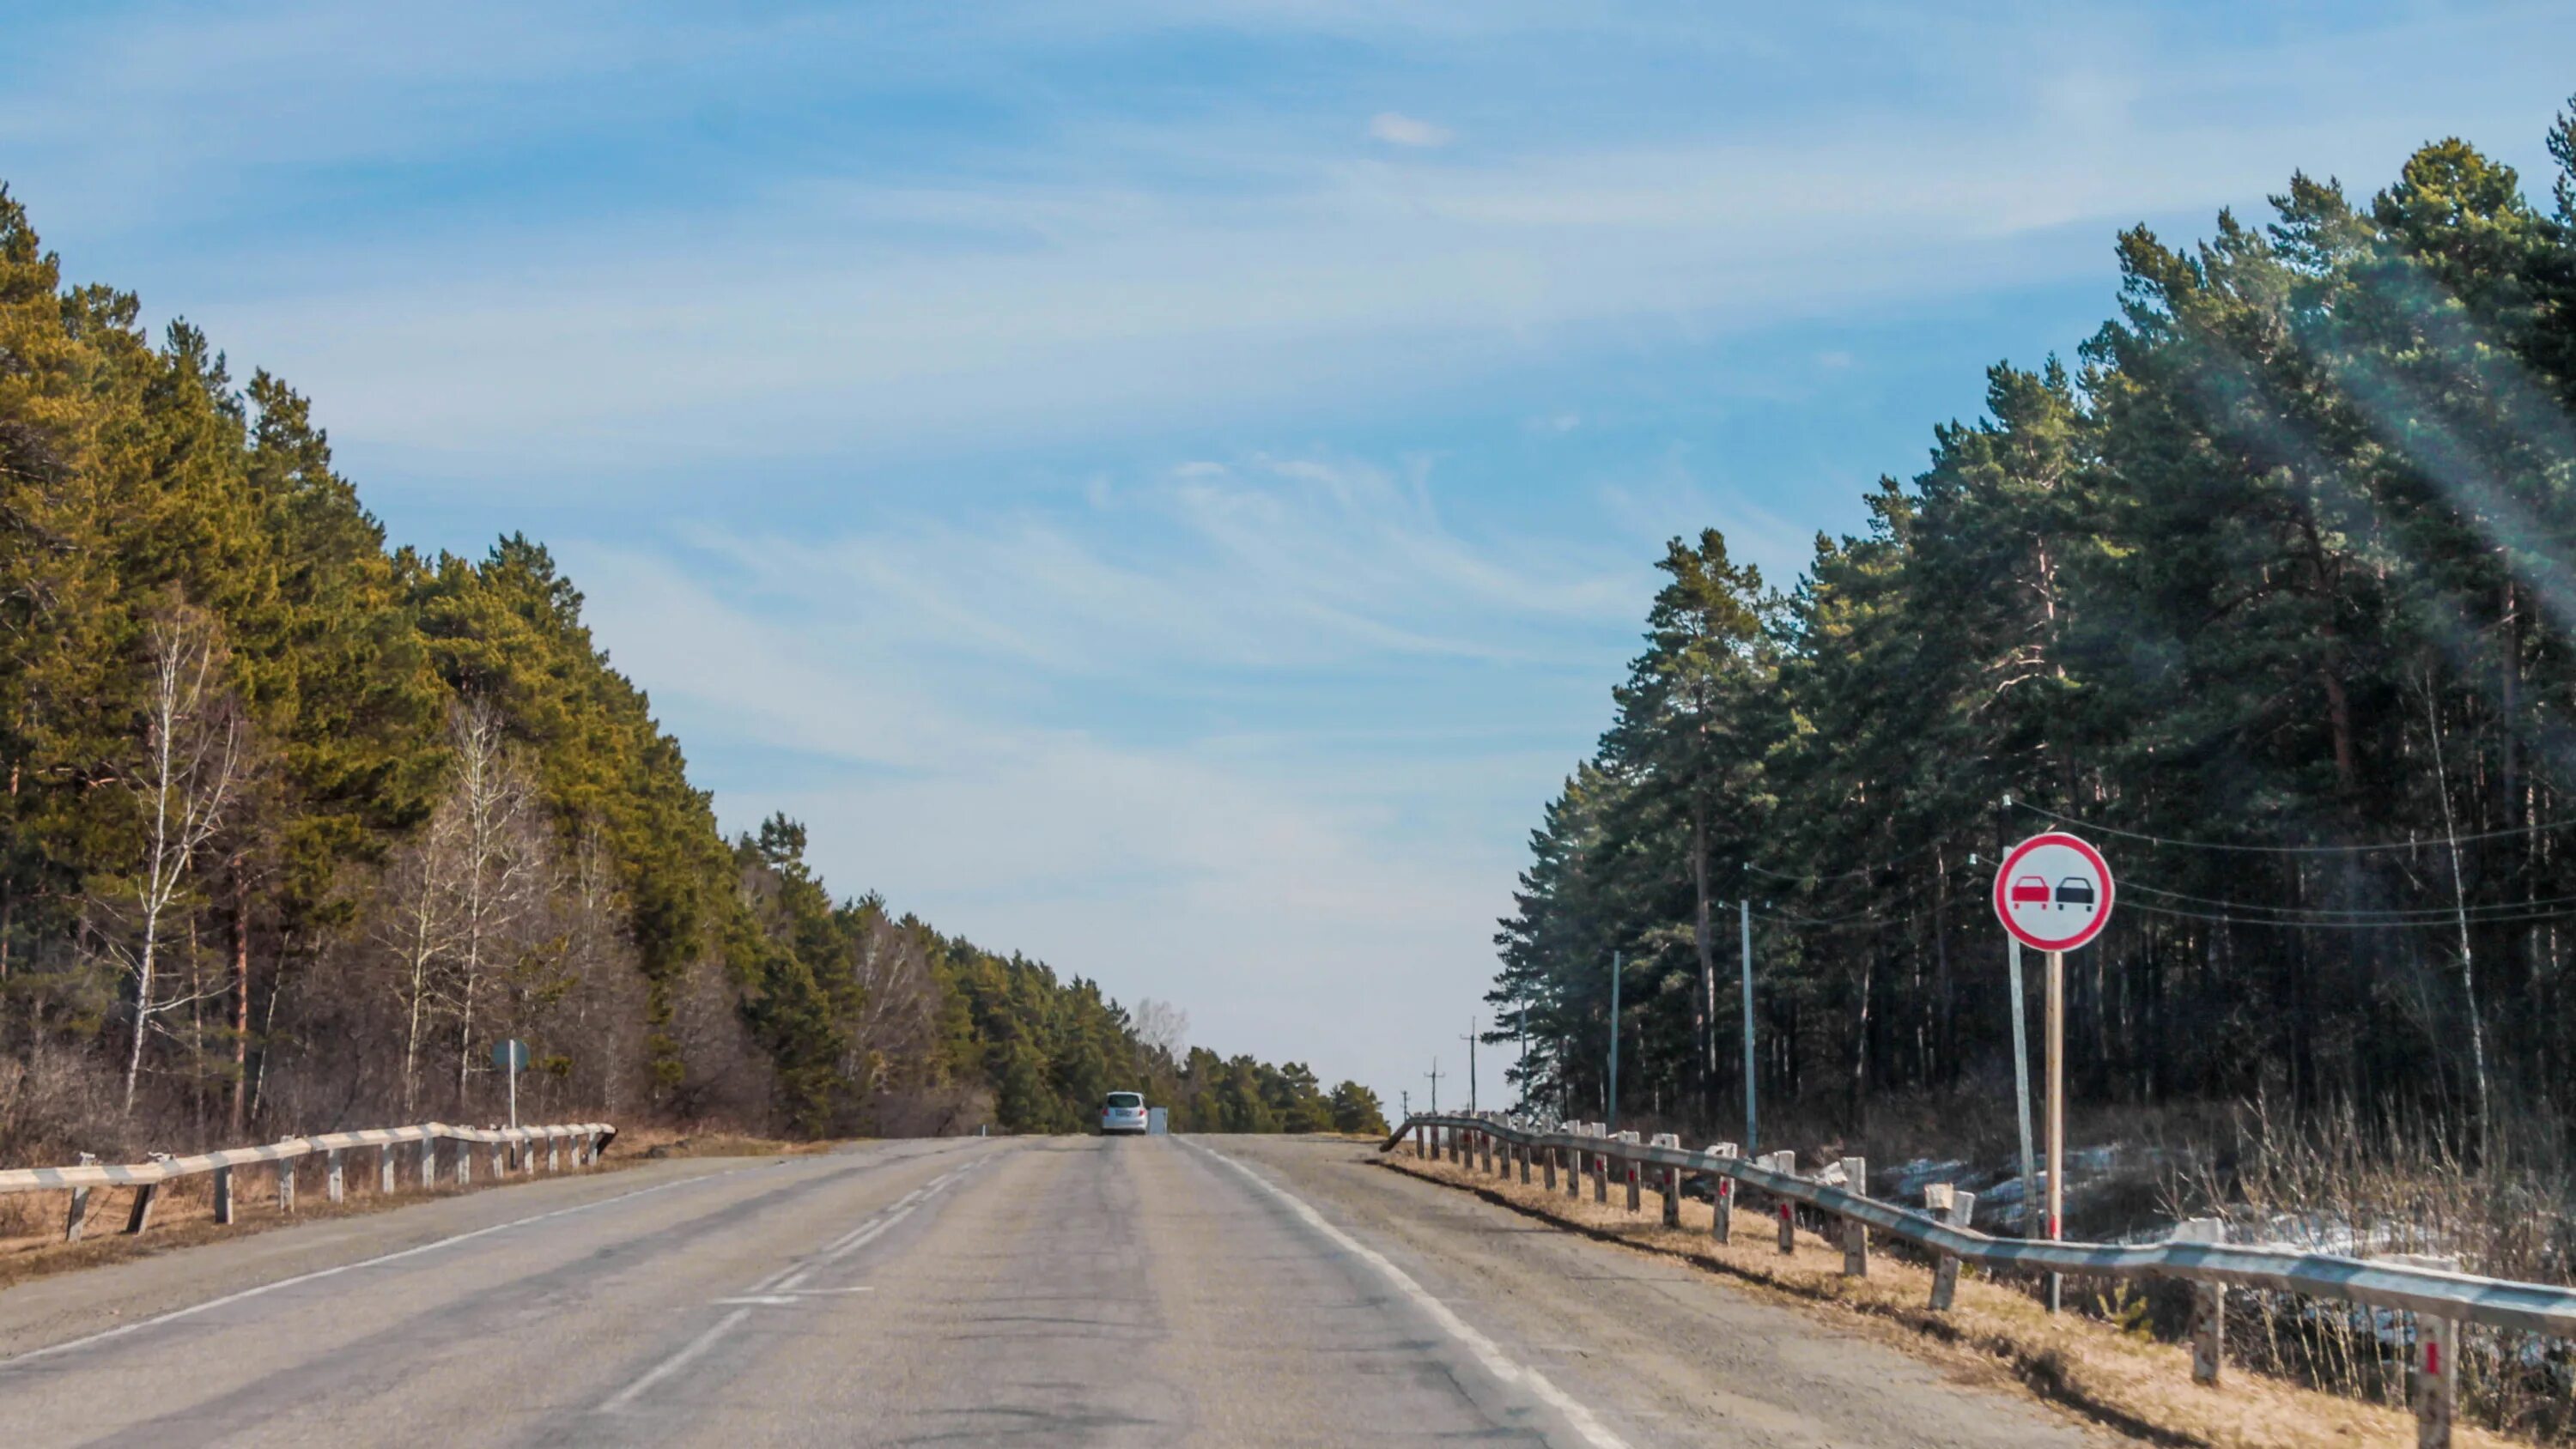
(319, 1273)
(1489, 1353)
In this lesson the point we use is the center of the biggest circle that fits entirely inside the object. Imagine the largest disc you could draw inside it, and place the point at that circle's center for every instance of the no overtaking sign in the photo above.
(2053, 892)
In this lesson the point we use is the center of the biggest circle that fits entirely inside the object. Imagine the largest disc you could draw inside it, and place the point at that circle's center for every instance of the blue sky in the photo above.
(1168, 487)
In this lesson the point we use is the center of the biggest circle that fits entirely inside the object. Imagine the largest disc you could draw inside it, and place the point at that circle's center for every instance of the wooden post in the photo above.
(1635, 1200)
(334, 1184)
(428, 1163)
(1721, 1197)
(2437, 1392)
(1523, 1153)
(1547, 1169)
(464, 1152)
(224, 1196)
(286, 1184)
(1601, 1178)
(1672, 1197)
(1421, 1141)
(385, 1169)
(79, 1218)
(1485, 1148)
(554, 1151)
(140, 1217)
(1855, 1232)
(2056, 1113)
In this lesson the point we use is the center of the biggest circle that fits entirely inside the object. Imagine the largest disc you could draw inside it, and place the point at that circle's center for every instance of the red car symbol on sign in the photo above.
(2030, 890)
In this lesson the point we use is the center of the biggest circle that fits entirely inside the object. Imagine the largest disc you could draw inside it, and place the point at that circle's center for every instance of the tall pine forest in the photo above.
(298, 825)
(2269, 591)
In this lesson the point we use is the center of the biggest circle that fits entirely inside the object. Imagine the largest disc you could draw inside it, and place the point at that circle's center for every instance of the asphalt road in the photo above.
(1217, 1291)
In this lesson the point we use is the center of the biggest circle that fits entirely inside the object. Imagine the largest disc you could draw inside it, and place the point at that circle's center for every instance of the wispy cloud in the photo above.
(1401, 130)
(961, 701)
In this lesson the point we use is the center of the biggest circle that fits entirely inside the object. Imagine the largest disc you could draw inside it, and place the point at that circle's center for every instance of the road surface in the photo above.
(1216, 1291)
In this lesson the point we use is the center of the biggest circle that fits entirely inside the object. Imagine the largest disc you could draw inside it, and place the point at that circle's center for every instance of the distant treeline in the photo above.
(2273, 590)
(296, 826)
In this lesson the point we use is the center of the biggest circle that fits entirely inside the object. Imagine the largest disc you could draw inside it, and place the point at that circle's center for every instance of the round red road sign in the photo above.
(2053, 892)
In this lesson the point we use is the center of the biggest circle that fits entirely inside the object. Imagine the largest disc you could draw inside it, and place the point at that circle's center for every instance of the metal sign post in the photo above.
(2021, 1089)
(2053, 893)
(511, 1056)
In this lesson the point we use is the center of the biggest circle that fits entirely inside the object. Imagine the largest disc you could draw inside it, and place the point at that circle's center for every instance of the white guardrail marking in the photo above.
(1487, 1352)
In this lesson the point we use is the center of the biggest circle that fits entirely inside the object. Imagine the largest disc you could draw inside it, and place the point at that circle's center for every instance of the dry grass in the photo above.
(2120, 1378)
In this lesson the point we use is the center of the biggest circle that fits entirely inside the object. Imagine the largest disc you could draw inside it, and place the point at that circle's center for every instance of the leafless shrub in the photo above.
(2379, 1181)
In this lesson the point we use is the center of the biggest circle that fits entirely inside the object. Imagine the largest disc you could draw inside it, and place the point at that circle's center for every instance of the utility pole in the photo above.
(1752, 1120)
(1470, 1039)
(1407, 1099)
(1435, 1086)
(1610, 1109)
(1523, 1104)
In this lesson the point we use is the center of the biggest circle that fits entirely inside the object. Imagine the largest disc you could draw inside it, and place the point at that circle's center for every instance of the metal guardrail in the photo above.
(586, 1139)
(2441, 1299)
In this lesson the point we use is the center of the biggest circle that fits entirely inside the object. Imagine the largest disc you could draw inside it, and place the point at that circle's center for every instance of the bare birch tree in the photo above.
(195, 751)
(505, 869)
(417, 927)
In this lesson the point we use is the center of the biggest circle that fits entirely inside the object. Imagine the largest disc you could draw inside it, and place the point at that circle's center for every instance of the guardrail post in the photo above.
(464, 1152)
(2437, 1345)
(1957, 1209)
(428, 1164)
(286, 1184)
(385, 1169)
(224, 1196)
(139, 1216)
(1671, 1183)
(80, 1205)
(1721, 1196)
(554, 1153)
(500, 1161)
(1601, 1177)
(334, 1184)
(1547, 1169)
(2208, 1305)
(1855, 1232)
(1485, 1150)
(1786, 1164)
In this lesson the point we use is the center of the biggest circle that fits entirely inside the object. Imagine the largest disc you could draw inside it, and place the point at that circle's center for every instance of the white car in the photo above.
(1124, 1112)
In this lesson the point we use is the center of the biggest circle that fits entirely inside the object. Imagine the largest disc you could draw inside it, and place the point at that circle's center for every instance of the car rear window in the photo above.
(1126, 1100)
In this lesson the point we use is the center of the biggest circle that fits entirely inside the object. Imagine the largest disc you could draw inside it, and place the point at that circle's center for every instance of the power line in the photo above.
(2232, 920)
(2434, 915)
(2417, 844)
